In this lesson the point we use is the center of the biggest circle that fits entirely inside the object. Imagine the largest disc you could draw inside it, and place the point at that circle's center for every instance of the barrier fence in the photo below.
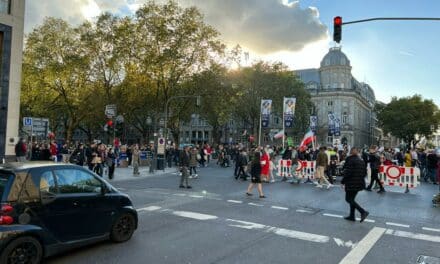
(390, 175)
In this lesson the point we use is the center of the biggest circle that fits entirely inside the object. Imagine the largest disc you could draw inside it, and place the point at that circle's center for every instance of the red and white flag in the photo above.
(308, 138)
(280, 134)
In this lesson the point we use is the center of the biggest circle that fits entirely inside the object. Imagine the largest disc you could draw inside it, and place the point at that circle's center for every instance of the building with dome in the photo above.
(334, 90)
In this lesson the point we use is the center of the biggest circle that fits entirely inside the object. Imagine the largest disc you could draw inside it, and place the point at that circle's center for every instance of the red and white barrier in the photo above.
(285, 168)
(393, 175)
(306, 169)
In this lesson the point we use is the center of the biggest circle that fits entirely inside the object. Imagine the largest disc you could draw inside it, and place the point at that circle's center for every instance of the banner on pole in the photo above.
(289, 111)
(331, 124)
(337, 127)
(266, 106)
(313, 123)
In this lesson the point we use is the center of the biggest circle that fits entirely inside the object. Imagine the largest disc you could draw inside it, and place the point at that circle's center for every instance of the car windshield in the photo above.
(4, 179)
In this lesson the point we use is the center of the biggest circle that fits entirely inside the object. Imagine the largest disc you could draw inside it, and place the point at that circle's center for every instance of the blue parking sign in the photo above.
(27, 121)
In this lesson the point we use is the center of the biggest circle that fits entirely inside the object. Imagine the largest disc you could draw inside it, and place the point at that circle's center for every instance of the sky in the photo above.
(396, 58)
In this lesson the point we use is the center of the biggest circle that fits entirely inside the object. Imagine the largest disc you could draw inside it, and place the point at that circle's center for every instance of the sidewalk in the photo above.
(124, 174)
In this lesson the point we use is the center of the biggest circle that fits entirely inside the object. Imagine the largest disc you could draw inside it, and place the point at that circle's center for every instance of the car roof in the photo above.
(17, 166)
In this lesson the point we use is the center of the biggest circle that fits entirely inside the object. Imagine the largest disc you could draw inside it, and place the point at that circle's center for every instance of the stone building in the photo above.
(11, 54)
(334, 89)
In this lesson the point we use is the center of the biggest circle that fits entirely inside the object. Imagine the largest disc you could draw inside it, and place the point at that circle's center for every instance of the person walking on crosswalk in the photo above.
(353, 182)
(255, 176)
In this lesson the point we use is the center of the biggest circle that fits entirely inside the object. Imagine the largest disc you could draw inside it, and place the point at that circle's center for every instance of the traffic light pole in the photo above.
(390, 18)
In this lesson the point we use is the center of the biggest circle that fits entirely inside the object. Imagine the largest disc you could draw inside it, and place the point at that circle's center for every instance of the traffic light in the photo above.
(337, 29)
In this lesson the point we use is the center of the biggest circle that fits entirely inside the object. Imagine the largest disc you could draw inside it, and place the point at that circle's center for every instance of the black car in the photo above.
(47, 208)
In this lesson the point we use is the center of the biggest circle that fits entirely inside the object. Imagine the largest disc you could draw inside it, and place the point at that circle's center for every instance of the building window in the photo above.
(343, 61)
(344, 118)
(327, 62)
(330, 103)
(330, 140)
(5, 6)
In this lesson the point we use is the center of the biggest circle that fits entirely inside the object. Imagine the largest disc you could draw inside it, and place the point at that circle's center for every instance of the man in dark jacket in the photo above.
(353, 181)
(374, 160)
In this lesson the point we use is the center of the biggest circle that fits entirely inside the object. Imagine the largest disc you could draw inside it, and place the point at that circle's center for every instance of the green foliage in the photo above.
(405, 117)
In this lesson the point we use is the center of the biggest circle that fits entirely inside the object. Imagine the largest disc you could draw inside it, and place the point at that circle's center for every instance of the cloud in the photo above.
(406, 53)
(263, 26)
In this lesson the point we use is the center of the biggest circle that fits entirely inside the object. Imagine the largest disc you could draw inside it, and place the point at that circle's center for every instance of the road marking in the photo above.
(196, 196)
(179, 194)
(431, 229)
(280, 231)
(304, 211)
(279, 207)
(193, 215)
(366, 220)
(333, 215)
(254, 204)
(397, 224)
(148, 208)
(343, 243)
(413, 235)
(234, 201)
(361, 249)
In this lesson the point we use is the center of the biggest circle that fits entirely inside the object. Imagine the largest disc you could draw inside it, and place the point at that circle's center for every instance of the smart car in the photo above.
(48, 208)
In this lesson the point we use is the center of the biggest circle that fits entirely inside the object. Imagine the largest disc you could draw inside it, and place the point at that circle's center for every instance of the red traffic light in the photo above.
(109, 123)
(337, 21)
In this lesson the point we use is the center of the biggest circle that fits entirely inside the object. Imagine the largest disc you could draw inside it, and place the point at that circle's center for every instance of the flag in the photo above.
(266, 105)
(289, 111)
(308, 138)
(331, 124)
(313, 123)
(337, 127)
(280, 134)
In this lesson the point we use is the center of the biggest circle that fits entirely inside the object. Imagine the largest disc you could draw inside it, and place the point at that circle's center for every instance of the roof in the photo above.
(14, 166)
(335, 57)
(309, 75)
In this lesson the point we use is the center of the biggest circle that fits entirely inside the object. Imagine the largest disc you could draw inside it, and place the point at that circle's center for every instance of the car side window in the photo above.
(76, 181)
(47, 182)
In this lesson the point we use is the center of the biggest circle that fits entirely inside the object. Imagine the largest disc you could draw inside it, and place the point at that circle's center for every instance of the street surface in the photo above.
(216, 223)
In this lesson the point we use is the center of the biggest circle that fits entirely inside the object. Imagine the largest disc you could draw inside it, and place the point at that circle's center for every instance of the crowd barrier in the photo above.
(392, 175)
(304, 169)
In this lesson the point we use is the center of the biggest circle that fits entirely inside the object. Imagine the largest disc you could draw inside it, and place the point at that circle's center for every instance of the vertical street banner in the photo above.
(313, 123)
(337, 127)
(266, 106)
(331, 124)
(289, 111)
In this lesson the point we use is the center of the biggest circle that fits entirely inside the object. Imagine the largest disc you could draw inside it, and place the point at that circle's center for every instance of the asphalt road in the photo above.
(215, 222)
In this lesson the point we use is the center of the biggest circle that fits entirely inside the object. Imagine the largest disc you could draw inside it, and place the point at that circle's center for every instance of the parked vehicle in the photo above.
(48, 208)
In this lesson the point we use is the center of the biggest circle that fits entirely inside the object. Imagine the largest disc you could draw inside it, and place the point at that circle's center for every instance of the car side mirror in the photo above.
(104, 189)
(47, 197)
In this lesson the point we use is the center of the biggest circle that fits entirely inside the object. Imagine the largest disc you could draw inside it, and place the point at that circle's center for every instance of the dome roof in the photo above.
(335, 57)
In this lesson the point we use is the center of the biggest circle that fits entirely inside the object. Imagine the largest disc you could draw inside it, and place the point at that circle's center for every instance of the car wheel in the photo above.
(22, 250)
(123, 228)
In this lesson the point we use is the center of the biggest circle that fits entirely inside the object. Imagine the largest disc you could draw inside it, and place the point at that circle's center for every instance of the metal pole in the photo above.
(284, 132)
(390, 18)
(259, 132)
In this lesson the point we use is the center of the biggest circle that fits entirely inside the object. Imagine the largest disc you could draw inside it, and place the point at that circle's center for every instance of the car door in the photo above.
(94, 208)
(60, 214)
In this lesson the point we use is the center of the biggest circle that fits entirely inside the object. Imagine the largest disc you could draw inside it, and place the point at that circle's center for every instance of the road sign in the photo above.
(27, 121)
(161, 146)
(110, 111)
(38, 127)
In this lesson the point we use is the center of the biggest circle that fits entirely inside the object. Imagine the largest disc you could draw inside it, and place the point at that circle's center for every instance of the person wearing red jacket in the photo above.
(53, 151)
(265, 165)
